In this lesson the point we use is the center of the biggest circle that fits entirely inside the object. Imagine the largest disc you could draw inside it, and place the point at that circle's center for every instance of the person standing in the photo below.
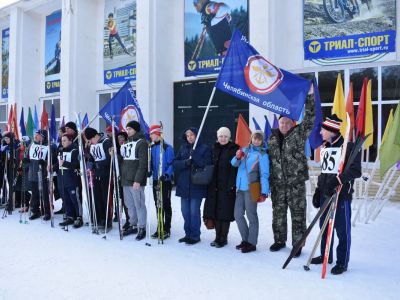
(164, 177)
(328, 181)
(220, 201)
(289, 172)
(253, 166)
(133, 178)
(191, 194)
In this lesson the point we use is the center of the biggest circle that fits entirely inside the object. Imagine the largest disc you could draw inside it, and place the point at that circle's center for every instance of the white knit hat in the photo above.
(258, 132)
(224, 131)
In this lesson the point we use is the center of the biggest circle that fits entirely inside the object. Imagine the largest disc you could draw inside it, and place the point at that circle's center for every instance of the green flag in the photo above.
(389, 152)
(29, 125)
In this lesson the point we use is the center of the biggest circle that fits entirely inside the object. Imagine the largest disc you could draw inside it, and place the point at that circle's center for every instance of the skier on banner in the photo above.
(133, 179)
(99, 162)
(328, 181)
(216, 18)
(112, 27)
(166, 177)
(37, 160)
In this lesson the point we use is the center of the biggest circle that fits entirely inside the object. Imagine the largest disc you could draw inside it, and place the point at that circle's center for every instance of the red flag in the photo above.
(360, 120)
(44, 119)
(350, 110)
(243, 132)
(14, 124)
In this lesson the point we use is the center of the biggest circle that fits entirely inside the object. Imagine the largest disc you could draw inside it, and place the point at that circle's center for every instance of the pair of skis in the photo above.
(331, 203)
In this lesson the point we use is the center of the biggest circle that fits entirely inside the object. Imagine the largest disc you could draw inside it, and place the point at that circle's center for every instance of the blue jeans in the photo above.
(191, 215)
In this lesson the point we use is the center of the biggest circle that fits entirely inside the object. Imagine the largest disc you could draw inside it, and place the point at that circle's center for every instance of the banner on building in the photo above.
(208, 30)
(5, 45)
(119, 50)
(343, 31)
(53, 52)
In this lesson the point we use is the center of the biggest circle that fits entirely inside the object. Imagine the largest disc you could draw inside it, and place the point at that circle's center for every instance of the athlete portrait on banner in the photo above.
(349, 31)
(208, 30)
(53, 52)
(119, 50)
(5, 44)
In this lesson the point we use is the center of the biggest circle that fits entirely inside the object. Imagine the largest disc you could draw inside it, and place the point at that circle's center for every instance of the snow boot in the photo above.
(68, 221)
(130, 230)
(141, 234)
(319, 260)
(338, 269)
(78, 222)
(277, 246)
(249, 248)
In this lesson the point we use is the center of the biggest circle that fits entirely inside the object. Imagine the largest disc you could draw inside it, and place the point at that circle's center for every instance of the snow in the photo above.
(40, 262)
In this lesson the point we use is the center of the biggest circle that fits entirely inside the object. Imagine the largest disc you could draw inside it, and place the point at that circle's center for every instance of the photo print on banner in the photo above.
(5, 46)
(208, 30)
(347, 31)
(119, 50)
(53, 52)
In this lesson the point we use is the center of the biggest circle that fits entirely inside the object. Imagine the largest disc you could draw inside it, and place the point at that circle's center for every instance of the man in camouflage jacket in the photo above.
(288, 173)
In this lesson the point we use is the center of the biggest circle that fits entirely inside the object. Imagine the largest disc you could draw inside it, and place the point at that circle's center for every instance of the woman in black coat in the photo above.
(220, 202)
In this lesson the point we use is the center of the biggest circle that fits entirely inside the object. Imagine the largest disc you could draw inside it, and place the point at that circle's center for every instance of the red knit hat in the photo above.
(156, 129)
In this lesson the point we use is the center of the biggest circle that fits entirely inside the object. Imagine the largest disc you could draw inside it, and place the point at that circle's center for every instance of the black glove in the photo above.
(188, 162)
(25, 160)
(163, 177)
(316, 199)
(330, 186)
(149, 173)
(206, 19)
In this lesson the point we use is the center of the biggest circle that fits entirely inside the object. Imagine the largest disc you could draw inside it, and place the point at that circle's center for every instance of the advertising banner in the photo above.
(5, 45)
(53, 52)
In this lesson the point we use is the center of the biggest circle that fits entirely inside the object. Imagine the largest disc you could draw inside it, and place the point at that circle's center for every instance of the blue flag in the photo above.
(315, 137)
(36, 120)
(248, 76)
(257, 127)
(276, 123)
(22, 123)
(53, 125)
(124, 107)
(267, 128)
(85, 121)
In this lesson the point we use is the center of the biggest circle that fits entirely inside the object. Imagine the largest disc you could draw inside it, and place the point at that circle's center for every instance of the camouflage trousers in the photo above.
(293, 197)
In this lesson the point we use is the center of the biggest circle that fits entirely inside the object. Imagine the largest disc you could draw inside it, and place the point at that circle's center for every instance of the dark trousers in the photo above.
(100, 191)
(36, 201)
(166, 197)
(221, 231)
(22, 199)
(343, 231)
(72, 202)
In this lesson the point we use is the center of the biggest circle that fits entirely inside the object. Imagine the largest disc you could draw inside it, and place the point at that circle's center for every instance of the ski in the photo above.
(159, 189)
(50, 178)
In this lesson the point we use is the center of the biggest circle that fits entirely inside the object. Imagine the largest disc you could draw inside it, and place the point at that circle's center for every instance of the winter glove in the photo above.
(188, 162)
(240, 154)
(331, 185)
(316, 198)
(206, 19)
(164, 177)
(262, 198)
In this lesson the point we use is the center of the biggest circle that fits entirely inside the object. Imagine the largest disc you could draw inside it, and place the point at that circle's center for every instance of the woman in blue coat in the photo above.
(191, 194)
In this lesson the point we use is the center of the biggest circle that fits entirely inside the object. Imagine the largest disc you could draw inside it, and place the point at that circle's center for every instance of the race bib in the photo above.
(97, 152)
(330, 160)
(128, 151)
(67, 156)
(38, 152)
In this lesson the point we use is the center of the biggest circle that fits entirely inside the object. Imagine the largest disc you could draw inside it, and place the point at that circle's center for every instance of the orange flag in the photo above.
(14, 124)
(10, 114)
(44, 119)
(350, 110)
(243, 133)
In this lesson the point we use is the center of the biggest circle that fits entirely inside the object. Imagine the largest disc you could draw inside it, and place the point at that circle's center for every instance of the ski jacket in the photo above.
(330, 159)
(201, 157)
(134, 155)
(286, 153)
(254, 167)
(167, 163)
(37, 158)
(68, 173)
(99, 159)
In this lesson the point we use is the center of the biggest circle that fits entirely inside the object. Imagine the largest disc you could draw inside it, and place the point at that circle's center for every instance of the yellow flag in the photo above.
(369, 125)
(388, 125)
(339, 107)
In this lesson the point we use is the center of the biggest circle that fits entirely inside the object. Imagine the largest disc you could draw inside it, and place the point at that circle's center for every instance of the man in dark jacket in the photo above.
(328, 182)
(100, 161)
(288, 174)
(133, 178)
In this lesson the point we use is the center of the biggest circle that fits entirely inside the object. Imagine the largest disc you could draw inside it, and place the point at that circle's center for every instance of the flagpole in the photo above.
(90, 122)
(204, 118)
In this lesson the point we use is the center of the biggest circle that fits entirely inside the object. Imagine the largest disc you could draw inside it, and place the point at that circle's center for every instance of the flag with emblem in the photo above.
(248, 76)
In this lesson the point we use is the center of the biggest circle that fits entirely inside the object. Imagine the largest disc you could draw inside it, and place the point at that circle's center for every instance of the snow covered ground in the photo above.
(38, 262)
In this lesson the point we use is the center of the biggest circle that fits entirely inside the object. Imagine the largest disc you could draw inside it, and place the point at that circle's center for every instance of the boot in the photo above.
(277, 246)
(68, 221)
(34, 216)
(46, 217)
(223, 239)
(241, 245)
(338, 269)
(78, 222)
(141, 234)
(126, 225)
(319, 260)
(130, 230)
(190, 241)
(249, 248)
(183, 240)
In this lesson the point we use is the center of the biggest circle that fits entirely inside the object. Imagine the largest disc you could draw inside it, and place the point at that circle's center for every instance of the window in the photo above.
(48, 103)
(357, 77)
(391, 83)
(327, 85)
(103, 99)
